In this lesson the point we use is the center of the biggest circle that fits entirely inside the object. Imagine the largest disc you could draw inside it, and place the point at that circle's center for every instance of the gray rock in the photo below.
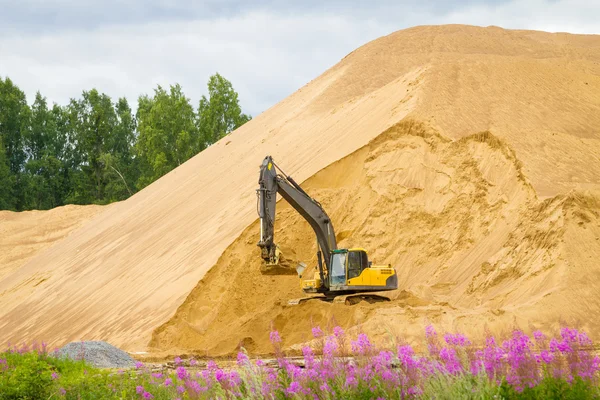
(97, 353)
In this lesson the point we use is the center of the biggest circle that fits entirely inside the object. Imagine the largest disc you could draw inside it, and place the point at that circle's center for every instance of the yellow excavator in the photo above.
(342, 275)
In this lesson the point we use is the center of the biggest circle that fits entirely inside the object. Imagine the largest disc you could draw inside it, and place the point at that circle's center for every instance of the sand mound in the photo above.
(472, 244)
(460, 202)
(24, 234)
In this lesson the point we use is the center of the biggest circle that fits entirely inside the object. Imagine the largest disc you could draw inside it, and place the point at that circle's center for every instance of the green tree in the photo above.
(94, 151)
(167, 135)
(121, 167)
(92, 120)
(42, 182)
(6, 181)
(14, 114)
(40, 129)
(14, 119)
(220, 113)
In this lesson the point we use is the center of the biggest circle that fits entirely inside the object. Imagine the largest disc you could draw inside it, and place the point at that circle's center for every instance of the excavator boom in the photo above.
(270, 183)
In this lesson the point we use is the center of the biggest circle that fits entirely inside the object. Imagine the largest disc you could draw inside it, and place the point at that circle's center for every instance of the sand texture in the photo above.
(474, 247)
(468, 158)
(24, 234)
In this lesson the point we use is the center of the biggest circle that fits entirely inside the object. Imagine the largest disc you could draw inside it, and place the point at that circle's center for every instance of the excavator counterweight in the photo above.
(342, 275)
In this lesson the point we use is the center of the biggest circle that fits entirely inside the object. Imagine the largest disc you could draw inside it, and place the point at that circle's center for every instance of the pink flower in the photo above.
(338, 331)
(147, 395)
(362, 345)
(309, 358)
(211, 365)
(139, 389)
(293, 388)
(569, 335)
(274, 337)
(456, 340)
(546, 356)
(537, 335)
(351, 381)
(234, 378)
(430, 331)
(177, 360)
(242, 359)
(330, 347)
(451, 361)
(182, 373)
(195, 386)
(220, 375)
(584, 339)
(62, 391)
(317, 332)
(193, 362)
(54, 376)
(139, 365)
(180, 389)
(168, 382)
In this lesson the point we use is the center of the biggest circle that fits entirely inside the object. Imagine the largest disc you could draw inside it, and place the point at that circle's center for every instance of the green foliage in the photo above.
(95, 150)
(552, 388)
(221, 112)
(167, 134)
(94, 119)
(120, 166)
(14, 117)
(37, 375)
(25, 376)
(6, 181)
(463, 386)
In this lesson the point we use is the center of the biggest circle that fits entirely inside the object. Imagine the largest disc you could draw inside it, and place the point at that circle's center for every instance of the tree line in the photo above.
(96, 150)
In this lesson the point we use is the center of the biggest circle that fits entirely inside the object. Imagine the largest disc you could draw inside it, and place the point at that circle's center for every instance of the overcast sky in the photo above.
(266, 48)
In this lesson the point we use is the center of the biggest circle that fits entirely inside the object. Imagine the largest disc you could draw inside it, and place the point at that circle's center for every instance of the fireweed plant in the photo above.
(335, 366)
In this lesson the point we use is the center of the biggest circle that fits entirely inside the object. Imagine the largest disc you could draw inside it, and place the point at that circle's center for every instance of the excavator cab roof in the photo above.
(357, 249)
(337, 251)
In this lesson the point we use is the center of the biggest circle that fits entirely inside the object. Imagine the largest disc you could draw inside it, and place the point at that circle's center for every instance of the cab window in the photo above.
(354, 264)
(338, 269)
(364, 263)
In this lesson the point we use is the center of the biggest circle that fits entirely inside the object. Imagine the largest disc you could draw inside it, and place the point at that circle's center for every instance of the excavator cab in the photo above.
(351, 272)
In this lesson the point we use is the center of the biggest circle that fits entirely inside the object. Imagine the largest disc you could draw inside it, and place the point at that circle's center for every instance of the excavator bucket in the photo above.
(281, 266)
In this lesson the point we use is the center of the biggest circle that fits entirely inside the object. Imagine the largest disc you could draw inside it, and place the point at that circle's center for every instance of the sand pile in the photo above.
(472, 244)
(481, 226)
(24, 234)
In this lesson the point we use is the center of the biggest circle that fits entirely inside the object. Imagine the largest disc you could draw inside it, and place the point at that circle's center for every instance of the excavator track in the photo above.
(347, 299)
(351, 299)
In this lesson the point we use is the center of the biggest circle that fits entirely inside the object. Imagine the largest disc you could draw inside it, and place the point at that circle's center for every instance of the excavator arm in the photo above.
(270, 183)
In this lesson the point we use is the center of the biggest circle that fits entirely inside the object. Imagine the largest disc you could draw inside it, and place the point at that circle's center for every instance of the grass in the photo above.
(519, 367)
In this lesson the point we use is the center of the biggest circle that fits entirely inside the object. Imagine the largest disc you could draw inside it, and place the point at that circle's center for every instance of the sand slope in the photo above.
(473, 246)
(24, 234)
(459, 215)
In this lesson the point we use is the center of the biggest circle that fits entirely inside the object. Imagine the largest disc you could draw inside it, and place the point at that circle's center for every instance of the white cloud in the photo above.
(266, 54)
(573, 16)
(266, 57)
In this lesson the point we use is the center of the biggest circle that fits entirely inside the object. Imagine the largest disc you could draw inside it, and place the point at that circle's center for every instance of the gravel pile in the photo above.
(97, 353)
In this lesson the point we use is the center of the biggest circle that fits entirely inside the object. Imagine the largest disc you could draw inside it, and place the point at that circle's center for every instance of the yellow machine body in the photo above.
(353, 273)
